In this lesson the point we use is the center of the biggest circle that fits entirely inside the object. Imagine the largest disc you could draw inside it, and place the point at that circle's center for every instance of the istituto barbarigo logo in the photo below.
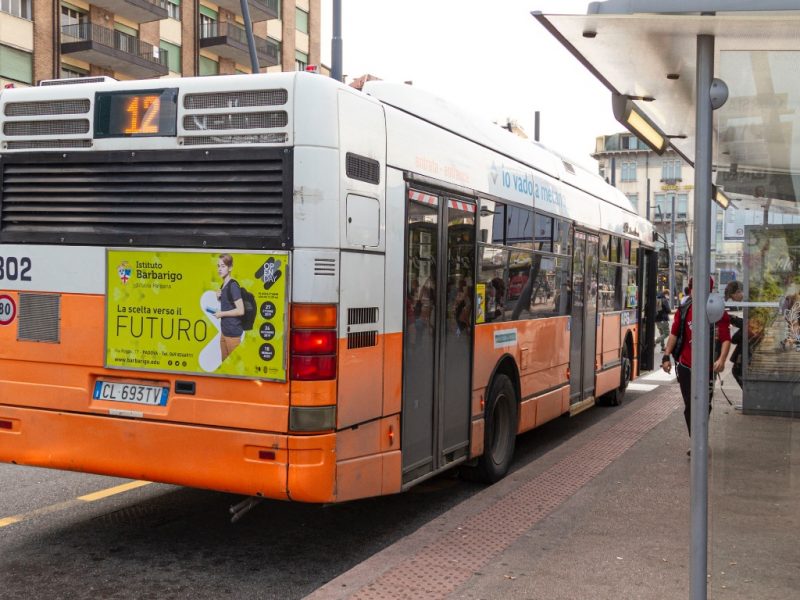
(124, 271)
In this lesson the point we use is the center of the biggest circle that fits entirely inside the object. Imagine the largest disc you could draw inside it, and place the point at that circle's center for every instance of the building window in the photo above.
(634, 200)
(16, 8)
(300, 60)
(173, 56)
(301, 20)
(174, 9)
(671, 170)
(16, 65)
(72, 16)
(70, 72)
(208, 66)
(627, 171)
(208, 22)
(662, 208)
(681, 203)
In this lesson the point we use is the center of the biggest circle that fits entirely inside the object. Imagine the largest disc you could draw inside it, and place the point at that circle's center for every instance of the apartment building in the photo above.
(136, 39)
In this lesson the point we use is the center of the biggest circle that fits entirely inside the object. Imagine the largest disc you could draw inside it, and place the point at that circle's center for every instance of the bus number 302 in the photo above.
(13, 268)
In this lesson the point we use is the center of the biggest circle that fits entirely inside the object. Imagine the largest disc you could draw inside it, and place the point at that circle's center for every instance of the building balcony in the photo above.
(138, 11)
(230, 41)
(260, 10)
(113, 50)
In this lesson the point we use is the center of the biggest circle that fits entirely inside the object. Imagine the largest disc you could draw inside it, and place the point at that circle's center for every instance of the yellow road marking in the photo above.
(114, 490)
(5, 521)
(10, 520)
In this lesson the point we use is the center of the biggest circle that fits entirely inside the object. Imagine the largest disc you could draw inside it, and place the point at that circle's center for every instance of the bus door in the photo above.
(648, 273)
(437, 341)
(583, 322)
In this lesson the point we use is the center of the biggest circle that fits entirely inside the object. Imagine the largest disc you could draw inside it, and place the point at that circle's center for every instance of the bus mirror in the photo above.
(663, 258)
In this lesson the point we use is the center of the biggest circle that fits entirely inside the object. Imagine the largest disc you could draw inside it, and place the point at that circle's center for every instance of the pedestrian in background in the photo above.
(662, 317)
(687, 294)
(734, 291)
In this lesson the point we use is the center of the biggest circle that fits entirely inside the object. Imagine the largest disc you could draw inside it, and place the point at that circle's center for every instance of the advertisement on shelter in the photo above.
(207, 313)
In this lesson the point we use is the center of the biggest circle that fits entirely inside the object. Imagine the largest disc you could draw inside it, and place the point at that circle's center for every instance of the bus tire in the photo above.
(616, 396)
(500, 432)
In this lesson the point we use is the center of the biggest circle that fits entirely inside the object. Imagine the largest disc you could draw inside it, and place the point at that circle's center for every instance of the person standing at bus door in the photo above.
(662, 318)
(231, 307)
(682, 328)
(735, 291)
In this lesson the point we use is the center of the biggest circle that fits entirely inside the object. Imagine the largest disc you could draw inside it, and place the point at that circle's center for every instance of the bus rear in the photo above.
(120, 204)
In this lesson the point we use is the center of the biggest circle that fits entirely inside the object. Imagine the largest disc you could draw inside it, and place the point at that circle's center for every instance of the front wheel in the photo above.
(500, 432)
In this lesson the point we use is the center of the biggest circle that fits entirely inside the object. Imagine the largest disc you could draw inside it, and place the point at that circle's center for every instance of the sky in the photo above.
(492, 58)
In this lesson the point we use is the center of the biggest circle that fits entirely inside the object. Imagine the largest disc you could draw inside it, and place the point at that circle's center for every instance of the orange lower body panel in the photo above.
(244, 462)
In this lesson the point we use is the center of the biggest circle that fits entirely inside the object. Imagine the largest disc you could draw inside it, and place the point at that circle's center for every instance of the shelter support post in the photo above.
(701, 344)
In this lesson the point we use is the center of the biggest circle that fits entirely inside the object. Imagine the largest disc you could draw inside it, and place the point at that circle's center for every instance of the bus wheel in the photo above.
(615, 397)
(500, 432)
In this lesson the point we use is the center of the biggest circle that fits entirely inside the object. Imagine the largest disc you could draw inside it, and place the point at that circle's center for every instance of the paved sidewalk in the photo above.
(606, 515)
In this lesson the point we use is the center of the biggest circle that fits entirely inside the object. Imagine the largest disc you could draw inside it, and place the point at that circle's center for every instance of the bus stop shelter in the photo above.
(718, 82)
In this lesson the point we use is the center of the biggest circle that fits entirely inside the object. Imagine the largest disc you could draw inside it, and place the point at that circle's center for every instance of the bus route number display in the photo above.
(135, 114)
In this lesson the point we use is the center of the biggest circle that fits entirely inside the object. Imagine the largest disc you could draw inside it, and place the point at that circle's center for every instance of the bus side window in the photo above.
(519, 229)
(493, 274)
(492, 222)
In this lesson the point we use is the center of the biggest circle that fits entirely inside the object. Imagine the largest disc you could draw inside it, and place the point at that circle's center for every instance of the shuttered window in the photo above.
(16, 64)
(173, 56)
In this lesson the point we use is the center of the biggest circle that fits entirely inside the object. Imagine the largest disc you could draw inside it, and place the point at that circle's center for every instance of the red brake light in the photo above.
(313, 367)
(310, 341)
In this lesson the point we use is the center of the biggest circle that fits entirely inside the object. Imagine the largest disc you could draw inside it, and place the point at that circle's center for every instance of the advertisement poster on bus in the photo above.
(207, 313)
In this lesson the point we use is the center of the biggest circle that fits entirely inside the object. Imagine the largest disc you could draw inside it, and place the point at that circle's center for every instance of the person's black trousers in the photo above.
(684, 375)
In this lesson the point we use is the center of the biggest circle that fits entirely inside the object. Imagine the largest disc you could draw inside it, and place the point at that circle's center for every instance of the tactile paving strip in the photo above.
(442, 566)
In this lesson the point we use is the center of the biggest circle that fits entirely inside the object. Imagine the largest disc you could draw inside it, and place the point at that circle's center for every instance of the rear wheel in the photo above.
(615, 397)
(500, 432)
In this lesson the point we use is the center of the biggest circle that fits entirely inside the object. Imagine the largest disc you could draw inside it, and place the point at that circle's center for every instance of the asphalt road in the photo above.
(161, 541)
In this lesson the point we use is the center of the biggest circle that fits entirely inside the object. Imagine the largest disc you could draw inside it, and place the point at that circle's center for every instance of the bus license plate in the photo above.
(152, 395)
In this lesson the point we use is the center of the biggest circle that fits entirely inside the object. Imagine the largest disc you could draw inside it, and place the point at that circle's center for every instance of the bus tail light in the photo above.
(313, 368)
(313, 316)
(312, 418)
(313, 342)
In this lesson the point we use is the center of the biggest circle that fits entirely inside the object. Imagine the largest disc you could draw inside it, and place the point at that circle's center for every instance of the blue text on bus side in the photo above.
(524, 184)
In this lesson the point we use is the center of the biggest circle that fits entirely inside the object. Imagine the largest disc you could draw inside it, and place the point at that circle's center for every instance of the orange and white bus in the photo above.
(413, 287)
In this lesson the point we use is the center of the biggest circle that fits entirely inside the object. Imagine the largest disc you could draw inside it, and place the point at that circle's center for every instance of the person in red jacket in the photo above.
(683, 368)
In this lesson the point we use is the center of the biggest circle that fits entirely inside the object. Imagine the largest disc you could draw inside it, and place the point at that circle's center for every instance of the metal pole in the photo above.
(701, 346)
(536, 126)
(336, 41)
(673, 293)
(251, 41)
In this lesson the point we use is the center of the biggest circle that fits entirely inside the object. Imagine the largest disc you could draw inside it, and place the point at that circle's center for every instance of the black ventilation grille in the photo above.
(363, 168)
(54, 127)
(242, 120)
(235, 99)
(48, 108)
(361, 316)
(42, 144)
(362, 339)
(226, 198)
(39, 318)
